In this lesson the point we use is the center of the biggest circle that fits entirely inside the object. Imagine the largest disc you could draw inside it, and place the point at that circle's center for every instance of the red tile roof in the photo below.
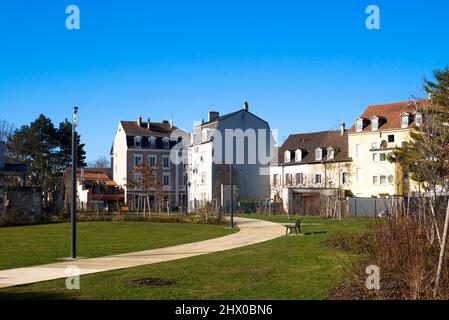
(390, 112)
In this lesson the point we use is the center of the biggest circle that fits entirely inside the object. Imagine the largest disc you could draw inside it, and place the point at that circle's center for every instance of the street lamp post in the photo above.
(73, 187)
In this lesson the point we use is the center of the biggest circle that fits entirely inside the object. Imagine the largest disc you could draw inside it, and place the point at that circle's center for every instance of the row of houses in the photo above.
(306, 167)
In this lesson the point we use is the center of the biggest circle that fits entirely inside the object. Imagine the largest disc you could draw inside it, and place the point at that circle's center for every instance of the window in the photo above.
(374, 124)
(206, 134)
(137, 160)
(138, 142)
(166, 160)
(358, 174)
(287, 156)
(359, 125)
(345, 178)
(382, 157)
(152, 160)
(288, 179)
(375, 180)
(404, 120)
(318, 154)
(166, 142)
(152, 142)
(318, 178)
(275, 179)
(390, 179)
(299, 178)
(358, 150)
(330, 153)
(375, 157)
(418, 119)
(383, 180)
(166, 180)
(391, 138)
(298, 155)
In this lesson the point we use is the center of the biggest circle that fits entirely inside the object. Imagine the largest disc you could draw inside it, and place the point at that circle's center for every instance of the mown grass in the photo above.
(40, 244)
(284, 268)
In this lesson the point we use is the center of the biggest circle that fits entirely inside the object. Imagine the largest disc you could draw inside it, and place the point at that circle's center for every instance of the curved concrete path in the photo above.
(251, 231)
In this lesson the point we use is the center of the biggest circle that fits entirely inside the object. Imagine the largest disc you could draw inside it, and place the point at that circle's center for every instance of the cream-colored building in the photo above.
(373, 137)
(313, 167)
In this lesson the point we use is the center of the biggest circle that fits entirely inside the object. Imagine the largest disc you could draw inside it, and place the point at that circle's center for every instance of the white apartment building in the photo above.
(209, 170)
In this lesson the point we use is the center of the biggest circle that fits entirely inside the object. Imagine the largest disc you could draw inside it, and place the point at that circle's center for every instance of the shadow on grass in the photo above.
(316, 232)
(5, 295)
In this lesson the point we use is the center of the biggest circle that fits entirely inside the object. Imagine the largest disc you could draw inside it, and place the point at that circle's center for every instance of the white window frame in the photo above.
(375, 157)
(374, 123)
(384, 155)
(418, 119)
(287, 156)
(405, 116)
(164, 159)
(298, 155)
(166, 175)
(359, 125)
(299, 178)
(152, 142)
(318, 175)
(392, 179)
(152, 156)
(375, 180)
(330, 153)
(318, 154)
(138, 142)
(383, 177)
(166, 142)
(134, 160)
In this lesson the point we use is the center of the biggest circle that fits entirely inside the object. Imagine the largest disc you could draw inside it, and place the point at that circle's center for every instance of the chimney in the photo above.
(246, 106)
(139, 121)
(2, 155)
(213, 115)
(149, 124)
(342, 128)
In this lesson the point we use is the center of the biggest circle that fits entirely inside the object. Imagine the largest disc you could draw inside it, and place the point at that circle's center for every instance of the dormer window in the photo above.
(166, 142)
(152, 141)
(418, 119)
(330, 153)
(206, 135)
(359, 125)
(298, 155)
(138, 142)
(374, 123)
(404, 120)
(287, 156)
(318, 154)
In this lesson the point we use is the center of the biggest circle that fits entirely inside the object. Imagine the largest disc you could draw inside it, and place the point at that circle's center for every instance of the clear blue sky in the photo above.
(302, 65)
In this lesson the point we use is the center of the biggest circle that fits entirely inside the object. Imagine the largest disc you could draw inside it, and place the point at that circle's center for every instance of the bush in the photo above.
(11, 218)
(406, 259)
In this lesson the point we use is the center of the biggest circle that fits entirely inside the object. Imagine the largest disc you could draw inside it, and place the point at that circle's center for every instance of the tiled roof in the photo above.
(157, 129)
(391, 114)
(309, 142)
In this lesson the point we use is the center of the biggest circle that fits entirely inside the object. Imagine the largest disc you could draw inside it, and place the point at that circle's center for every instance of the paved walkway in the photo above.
(251, 231)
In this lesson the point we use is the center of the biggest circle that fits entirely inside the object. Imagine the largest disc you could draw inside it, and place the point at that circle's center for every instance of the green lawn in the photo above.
(39, 244)
(284, 268)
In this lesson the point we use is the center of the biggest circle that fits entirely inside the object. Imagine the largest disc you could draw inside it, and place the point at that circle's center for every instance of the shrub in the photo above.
(406, 259)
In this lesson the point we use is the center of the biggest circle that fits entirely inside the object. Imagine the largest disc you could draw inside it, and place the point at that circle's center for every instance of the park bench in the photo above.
(293, 226)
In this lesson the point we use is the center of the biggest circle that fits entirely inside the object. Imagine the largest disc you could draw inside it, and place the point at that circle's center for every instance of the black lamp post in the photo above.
(73, 187)
(231, 191)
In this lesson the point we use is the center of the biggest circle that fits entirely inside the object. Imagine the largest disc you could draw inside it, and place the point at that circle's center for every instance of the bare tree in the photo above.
(101, 162)
(6, 130)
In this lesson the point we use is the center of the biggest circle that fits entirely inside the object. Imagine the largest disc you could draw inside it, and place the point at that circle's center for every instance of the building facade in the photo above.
(313, 168)
(137, 143)
(237, 138)
(372, 138)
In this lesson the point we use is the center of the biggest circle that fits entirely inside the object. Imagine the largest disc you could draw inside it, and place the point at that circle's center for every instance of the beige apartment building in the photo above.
(372, 138)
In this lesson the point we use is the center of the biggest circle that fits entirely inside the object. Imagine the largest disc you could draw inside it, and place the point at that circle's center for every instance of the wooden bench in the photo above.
(293, 226)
